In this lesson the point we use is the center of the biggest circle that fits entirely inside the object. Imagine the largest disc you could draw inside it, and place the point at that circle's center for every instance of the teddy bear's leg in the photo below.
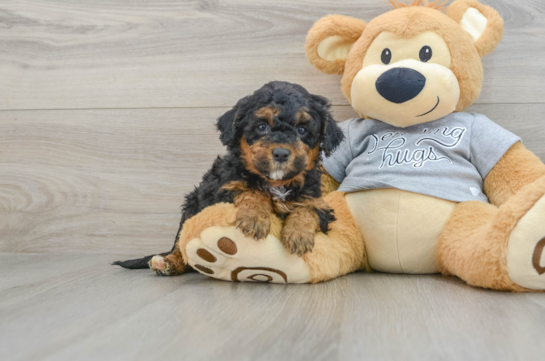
(342, 249)
(500, 248)
(212, 245)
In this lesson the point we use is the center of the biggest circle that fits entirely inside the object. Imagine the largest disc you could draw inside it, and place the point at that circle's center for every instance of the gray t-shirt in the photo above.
(447, 158)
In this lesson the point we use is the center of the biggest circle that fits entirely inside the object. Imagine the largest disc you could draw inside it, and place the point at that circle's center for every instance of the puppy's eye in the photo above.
(302, 130)
(386, 56)
(262, 128)
(425, 54)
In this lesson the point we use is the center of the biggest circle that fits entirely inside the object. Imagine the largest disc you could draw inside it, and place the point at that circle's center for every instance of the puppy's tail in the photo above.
(138, 263)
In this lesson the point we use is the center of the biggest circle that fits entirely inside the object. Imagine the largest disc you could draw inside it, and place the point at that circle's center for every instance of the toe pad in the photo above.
(225, 253)
(526, 249)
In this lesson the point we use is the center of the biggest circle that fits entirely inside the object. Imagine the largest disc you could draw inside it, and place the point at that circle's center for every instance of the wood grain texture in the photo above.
(64, 54)
(112, 181)
(65, 307)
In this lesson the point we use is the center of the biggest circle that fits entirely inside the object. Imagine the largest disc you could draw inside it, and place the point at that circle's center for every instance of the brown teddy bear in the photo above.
(418, 185)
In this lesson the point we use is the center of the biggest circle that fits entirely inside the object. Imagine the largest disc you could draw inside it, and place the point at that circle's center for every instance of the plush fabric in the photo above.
(339, 252)
(329, 184)
(515, 169)
(473, 244)
(223, 253)
(342, 250)
(347, 28)
(493, 33)
(400, 228)
(409, 22)
(525, 255)
(219, 215)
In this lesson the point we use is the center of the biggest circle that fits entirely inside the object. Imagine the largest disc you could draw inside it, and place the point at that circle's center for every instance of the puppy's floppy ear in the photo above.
(229, 122)
(226, 126)
(332, 135)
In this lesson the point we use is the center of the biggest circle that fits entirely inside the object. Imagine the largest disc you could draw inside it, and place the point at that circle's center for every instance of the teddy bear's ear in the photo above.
(483, 23)
(329, 41)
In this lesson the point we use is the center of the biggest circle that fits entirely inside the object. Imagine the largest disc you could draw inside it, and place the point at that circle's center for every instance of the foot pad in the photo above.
(526, 249)
(225, 253)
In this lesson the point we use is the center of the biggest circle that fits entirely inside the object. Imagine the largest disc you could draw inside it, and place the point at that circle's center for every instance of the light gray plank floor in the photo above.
(78, 307)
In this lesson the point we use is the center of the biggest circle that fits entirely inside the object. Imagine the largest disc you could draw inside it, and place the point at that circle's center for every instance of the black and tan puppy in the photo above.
(275, 138)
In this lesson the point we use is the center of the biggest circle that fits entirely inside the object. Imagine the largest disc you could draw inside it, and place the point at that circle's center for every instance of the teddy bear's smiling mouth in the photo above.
(421, 115)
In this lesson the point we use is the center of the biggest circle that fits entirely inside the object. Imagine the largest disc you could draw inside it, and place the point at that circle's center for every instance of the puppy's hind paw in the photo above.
(161, 266)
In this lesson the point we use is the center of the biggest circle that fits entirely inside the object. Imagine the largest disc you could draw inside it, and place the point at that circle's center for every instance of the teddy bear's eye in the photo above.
(425, 53)
(386, 56)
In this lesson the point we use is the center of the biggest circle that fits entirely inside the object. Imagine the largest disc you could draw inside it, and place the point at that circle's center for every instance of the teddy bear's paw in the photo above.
(526, 249)
(225, 253)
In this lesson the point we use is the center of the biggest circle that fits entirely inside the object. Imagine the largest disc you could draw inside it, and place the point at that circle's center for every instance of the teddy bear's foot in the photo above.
(526, 249)
(225, 253)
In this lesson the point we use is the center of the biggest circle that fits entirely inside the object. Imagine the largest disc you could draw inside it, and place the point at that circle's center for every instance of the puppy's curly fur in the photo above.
(274, 138)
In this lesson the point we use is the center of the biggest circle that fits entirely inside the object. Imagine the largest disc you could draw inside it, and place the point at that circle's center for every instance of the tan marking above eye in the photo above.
(302, 115)
(408, 48)
(268, 113)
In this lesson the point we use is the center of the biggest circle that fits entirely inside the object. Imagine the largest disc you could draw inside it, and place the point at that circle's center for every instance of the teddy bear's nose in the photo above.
(399, 85)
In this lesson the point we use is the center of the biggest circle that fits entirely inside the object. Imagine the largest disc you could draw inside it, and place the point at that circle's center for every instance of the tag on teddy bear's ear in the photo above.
(481, 22)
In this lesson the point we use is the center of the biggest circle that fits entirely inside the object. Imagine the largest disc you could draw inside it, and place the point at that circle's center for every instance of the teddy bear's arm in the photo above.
(329, 184)
(517, 168)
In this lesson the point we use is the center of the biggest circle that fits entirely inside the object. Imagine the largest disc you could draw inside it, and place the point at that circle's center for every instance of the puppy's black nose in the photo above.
(281, 154)
(399, 85)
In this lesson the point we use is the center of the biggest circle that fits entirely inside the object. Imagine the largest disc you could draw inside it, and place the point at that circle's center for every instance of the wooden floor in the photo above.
(63, 307)
(106, 119)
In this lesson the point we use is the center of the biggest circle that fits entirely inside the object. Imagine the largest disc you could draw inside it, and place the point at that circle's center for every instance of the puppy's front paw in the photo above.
(298, 241)
(256, 226)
